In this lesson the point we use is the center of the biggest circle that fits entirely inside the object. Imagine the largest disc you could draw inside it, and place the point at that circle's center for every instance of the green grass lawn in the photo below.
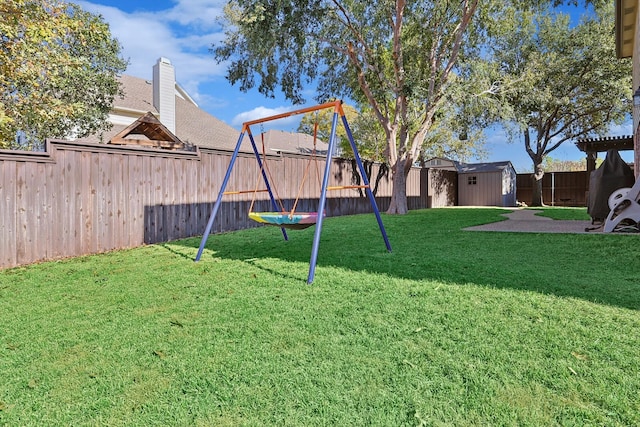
(564, 213)
(451, 328)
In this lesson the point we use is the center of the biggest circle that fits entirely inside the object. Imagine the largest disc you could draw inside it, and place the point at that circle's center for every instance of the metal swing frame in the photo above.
(246, 130)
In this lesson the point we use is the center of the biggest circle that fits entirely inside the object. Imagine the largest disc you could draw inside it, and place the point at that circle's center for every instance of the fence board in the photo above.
(96, 203)
(136, 211)
(7, 219)
(22, 239)
(77, 188)
(86, 207)
(41, 209)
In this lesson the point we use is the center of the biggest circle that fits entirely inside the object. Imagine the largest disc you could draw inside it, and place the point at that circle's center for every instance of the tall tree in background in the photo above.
(58, 67)
(560, 82)
(556, 165)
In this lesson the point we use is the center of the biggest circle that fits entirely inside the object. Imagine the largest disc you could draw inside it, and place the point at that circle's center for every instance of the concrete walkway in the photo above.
(526, 221)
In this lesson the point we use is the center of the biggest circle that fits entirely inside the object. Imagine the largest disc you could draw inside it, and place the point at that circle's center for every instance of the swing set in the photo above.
(291, 218)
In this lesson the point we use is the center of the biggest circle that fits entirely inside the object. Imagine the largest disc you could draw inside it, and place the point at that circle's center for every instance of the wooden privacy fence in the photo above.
(558, 188)
(79, 198)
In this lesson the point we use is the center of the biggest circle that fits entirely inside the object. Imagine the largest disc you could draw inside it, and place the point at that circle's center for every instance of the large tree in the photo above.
(58, 67)
(560, 82)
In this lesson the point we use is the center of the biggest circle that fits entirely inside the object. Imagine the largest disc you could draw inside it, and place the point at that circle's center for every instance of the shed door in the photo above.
(442, 188)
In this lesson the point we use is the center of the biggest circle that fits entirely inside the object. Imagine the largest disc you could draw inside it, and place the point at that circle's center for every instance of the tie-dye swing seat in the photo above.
(295, 221)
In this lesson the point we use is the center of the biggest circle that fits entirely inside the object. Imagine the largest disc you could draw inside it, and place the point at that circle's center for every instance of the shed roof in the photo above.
(444, 163)
(484, 167)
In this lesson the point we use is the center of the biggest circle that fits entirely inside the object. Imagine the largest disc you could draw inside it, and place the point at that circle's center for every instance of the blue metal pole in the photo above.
(274, 205)
(366, 182)
(323, 200)
(216, 206)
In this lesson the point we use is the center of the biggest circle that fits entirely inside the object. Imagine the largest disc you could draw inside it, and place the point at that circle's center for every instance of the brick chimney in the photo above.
(164, 90)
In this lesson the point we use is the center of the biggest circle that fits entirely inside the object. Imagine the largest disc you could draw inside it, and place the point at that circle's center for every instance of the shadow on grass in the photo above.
(430, 245)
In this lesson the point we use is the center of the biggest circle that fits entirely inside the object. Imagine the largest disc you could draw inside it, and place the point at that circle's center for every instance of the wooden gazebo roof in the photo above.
(148, 131)
(598, 145)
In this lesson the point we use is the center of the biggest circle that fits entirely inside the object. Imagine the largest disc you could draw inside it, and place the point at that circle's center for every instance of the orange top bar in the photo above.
(335, 104)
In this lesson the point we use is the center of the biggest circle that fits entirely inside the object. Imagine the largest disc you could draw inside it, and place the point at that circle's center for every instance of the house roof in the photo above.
(200, 128)
(137, 94)
(290, 142)
(194, 126)
(484, 167)
(626, 16)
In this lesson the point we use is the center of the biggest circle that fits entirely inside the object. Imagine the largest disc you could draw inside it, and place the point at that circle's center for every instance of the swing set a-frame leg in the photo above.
(323, 195)
(366, 183)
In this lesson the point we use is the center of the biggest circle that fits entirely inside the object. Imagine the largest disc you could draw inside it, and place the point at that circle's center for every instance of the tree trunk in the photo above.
(536, 198)
(398, 204)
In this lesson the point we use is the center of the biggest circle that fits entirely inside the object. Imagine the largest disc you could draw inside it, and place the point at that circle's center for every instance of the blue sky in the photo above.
(183, 31)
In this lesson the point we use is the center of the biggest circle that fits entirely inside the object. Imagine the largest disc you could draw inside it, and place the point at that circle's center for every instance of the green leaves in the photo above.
(58, 65)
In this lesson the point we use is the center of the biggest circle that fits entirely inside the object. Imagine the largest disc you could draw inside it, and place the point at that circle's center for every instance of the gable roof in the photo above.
(444, 163)
(441, 163)
(148, 131)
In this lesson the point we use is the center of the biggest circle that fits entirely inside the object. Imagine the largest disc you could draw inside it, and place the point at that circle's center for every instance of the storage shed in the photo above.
(487, 184)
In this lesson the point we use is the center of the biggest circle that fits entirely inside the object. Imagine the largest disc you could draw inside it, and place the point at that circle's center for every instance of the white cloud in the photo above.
(622, 129)
(201, 13)
(262, 112)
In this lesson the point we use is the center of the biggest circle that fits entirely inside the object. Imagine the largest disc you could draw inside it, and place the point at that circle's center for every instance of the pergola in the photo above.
(593, 146)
